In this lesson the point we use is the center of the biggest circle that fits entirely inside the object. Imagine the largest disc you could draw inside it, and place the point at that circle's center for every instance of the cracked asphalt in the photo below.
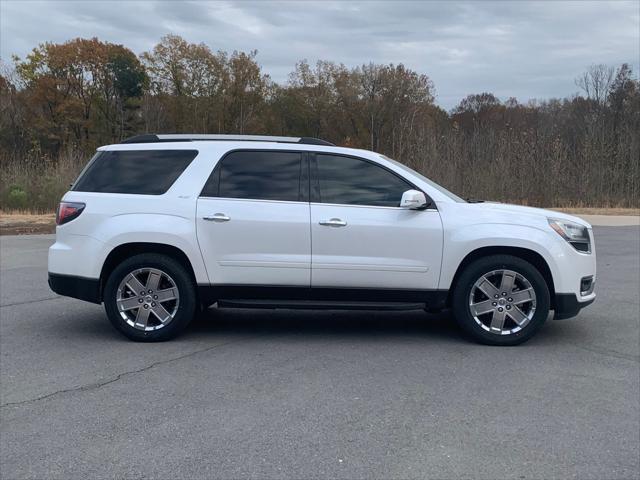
(285, 394)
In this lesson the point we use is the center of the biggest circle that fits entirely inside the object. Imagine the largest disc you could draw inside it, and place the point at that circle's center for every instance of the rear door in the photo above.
(361, 238)
(253, 220)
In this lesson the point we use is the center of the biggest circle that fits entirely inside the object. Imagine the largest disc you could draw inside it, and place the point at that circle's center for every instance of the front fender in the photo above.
(462, 241)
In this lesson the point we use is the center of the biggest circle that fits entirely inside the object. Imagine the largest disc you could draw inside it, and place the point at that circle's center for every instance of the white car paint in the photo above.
(378, 247)
(262, 242)
(470, 226)
(282, 243)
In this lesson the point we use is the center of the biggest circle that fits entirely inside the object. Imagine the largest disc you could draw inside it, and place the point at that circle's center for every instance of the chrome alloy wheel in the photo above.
(147, 299)
(502, 302)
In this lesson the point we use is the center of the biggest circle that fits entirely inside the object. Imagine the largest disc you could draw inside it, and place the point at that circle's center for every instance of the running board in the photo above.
(319, 305)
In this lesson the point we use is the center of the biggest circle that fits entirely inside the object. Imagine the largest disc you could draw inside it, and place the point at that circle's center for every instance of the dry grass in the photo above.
(35, 183)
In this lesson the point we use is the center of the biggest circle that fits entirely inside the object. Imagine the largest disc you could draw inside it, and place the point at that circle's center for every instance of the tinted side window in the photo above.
(144, 172)
(350, 181)
(257, 175)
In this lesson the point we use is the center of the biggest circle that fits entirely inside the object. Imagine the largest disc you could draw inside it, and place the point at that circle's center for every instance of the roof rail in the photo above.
(188, 137)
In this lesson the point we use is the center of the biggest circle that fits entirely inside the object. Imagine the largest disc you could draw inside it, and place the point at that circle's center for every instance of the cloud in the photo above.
(521, 49)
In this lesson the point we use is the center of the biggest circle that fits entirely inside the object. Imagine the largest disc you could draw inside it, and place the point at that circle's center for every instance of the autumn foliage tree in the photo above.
(62, 100)
(83, 91)
(194, 89)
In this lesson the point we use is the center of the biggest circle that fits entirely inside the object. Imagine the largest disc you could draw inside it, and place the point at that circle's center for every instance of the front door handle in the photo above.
(216, 217)
(334, 222)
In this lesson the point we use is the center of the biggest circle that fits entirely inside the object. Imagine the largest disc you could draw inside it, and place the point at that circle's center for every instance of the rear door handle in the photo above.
(217, 217)
(334, 222)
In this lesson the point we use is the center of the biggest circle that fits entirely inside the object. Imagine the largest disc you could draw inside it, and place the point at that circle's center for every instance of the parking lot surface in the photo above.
(286, 394)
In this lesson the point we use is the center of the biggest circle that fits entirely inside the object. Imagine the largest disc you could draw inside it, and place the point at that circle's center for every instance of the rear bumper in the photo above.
(568, 306)
(87, 289)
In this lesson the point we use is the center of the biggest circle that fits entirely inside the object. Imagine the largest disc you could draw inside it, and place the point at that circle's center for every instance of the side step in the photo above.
(320, 305)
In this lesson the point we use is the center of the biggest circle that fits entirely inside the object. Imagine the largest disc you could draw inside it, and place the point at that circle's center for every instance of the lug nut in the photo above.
(508, 307)
(142, 293)
(504, 294)
(140, 300)
(495, 296)
(151, 291)
(146, 306)
(510, 299)
(153, 304)
(500, 309)
(494, 303)
(155, 297)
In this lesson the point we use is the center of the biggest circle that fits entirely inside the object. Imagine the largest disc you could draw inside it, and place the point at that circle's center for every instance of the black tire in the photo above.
(482, 266)
(184, 282)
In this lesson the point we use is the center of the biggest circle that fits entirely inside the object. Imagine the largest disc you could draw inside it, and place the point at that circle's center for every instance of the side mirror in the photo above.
(413, 200)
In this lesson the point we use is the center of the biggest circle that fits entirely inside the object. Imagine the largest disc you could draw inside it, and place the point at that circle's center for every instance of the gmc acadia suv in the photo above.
(160, 226)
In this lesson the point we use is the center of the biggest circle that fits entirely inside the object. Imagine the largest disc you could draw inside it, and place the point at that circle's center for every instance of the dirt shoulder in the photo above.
(606, 217)
(611, 220)
(30, 223)
(599, 211)
(26, 223)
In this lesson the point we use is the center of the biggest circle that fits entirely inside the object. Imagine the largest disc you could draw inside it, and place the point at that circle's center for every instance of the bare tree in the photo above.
(596, 82)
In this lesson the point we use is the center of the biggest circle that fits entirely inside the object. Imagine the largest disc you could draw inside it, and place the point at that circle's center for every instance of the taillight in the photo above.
(67, 211)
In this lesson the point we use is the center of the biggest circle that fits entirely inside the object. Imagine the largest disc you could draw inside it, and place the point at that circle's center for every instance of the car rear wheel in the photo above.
(150, 297)
(501, 300)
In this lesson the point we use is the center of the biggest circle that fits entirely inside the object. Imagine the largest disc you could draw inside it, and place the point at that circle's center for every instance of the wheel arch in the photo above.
(526, 254)
(126, 250)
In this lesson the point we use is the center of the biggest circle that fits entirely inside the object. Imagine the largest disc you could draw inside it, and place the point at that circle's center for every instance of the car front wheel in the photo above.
(150, 297)
(501, 300)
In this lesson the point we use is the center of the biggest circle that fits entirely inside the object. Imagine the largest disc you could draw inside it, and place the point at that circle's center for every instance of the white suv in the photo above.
(160, 226)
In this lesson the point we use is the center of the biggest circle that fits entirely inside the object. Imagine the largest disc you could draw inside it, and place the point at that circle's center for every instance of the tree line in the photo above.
(63, 100)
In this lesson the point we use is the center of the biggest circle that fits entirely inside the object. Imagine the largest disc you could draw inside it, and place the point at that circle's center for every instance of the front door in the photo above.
(253, 220)
(361, 238)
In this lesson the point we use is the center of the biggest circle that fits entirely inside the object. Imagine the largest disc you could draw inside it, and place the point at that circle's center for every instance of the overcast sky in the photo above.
(511, 48)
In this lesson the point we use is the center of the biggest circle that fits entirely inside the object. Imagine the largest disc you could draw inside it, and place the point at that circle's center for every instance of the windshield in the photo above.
(431, 183)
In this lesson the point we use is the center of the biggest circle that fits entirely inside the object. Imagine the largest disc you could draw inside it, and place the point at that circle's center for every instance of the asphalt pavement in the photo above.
(286, 394)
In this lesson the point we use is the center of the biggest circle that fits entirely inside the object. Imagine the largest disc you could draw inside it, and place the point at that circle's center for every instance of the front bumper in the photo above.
(574, 277)
(567, 305)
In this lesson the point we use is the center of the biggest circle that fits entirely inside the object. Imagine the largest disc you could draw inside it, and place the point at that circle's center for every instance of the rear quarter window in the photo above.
(143, 172)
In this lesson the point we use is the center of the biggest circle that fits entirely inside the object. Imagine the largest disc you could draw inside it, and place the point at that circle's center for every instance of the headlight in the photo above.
(574, 233)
